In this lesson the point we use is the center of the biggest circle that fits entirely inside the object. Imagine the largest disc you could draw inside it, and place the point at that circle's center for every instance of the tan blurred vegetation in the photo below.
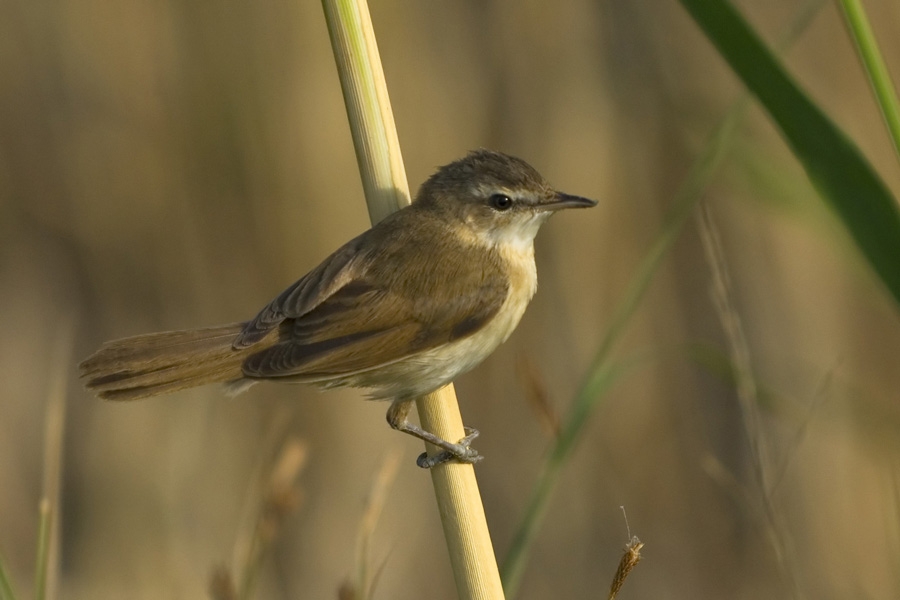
(168, 165)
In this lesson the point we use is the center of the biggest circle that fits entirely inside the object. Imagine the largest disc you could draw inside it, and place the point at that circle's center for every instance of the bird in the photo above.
(401, 310)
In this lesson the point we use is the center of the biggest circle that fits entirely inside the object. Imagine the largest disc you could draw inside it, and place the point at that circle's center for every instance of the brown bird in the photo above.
(401, 310)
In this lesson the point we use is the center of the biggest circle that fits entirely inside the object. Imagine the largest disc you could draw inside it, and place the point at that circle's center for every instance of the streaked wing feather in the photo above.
(306, 294)
(328, 358)
(361, 327)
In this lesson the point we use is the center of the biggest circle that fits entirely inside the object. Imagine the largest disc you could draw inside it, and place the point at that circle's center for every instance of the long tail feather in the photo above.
(159, 363)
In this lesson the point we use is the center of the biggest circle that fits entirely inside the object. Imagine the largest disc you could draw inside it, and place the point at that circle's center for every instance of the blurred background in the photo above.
(167, 165)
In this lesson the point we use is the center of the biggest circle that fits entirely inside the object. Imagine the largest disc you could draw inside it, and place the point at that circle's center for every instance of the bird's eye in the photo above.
(500, 202)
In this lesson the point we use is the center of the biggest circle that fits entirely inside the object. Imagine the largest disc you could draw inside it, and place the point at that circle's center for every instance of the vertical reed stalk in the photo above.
(384, 181)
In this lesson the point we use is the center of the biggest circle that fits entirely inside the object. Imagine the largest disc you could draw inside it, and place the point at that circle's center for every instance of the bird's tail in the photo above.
(159, 363)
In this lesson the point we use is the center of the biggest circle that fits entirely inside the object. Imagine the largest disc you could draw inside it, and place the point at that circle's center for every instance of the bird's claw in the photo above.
(460, 451)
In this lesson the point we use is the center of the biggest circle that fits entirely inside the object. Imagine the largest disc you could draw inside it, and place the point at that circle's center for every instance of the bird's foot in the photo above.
(460, 451)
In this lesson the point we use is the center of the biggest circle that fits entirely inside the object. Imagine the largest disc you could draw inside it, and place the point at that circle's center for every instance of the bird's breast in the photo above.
(464, 354)
(426, 371)
(519, 262)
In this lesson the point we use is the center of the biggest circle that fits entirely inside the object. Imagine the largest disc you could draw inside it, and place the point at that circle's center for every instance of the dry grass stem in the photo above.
(727, 482)
(894, 524)
(47, 570)
(347, 591)
(776, 529)
(363, 585)
(282, 497)
(221, 584)
(734, 333)
(539, 398)
(42, 566)
(819, 397)
(630, 558)
(278, 497)
(273, 441)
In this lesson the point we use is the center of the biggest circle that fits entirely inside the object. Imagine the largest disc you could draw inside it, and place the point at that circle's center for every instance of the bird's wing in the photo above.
(376, 318)
(310, 291)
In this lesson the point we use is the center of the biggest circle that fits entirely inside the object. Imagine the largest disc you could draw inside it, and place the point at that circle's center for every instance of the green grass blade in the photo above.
(513, 567)
(6, 590)
(879, 77)
(602, 373)
(843, 178)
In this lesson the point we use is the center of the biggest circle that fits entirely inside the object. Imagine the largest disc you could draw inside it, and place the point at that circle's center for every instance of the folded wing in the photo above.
(377, 317)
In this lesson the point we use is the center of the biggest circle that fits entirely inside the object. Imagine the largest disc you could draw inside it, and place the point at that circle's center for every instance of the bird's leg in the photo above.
(396, 418)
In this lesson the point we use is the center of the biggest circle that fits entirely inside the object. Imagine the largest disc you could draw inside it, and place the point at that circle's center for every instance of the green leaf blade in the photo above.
(837, 169)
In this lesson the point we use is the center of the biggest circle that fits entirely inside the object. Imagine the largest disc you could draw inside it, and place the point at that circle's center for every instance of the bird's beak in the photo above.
(562, 200)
